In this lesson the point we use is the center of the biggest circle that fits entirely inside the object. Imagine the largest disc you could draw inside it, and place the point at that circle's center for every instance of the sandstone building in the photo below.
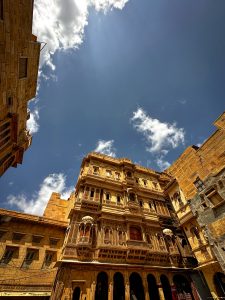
(198, 197)
(126, 232)
(19, 60)
(124, 239)
(29, 249)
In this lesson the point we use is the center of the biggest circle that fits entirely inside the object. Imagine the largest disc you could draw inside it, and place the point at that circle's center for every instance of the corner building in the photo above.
(124, 240)
(197, 194)
(19, 61)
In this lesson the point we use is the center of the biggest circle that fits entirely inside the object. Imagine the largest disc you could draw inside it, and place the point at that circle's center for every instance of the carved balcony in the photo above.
(133, 205)
(138, 244)
(174, 251)
(89, 203)
(130, 181)
(84, 241)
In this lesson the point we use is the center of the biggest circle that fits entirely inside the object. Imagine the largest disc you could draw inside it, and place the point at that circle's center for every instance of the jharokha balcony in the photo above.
(84, 241)
(89, 203)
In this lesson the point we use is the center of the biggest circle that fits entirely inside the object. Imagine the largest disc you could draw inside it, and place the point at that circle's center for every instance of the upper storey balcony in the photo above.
(89, 199)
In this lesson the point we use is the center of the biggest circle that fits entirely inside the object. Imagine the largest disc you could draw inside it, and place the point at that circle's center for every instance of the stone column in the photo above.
(93, 288)
(127, 290)
(110, 288)
(161, 294)
(145, 285)
(127, 286)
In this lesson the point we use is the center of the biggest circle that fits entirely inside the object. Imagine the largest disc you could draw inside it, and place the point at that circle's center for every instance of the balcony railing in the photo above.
(136, 243)
(133, 204)
(84, 241)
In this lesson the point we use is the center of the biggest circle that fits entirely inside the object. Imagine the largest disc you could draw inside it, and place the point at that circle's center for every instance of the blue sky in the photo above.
(142, 79)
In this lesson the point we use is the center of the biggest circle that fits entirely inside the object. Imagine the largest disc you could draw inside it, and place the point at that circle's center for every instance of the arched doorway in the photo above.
(219, 281)
(136, 287)
(76, 293)
(183, 287)
(166, 287)
(152, 288)
(101, 292)
(118, 287)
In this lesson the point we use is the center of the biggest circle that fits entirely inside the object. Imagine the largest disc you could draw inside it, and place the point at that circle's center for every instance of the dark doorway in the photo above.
(183, 287)
(76, 293)
(219, 281)
(136, 287)
(101, 292)
(152, 288)
(118, 287)
(166, 287)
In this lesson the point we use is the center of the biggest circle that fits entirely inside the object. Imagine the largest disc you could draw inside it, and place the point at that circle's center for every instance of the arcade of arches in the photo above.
(114, 285)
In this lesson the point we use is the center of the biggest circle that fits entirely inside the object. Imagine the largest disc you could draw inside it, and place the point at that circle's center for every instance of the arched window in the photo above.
(195, 232)
(166, 287)
(95, 170)
(177, 197)
(132, 197)
(144, 182)
(120, 234)
(107, 233)
(86, 192)
(129, 175)
(136, 287)
(92, 193)
(149, 240)
(161, 242)
(152, 288)
(81, 229)
(107, 237)
(76, 293)
(118, 287)
(135, 233)
(101, 291)
(107, 196)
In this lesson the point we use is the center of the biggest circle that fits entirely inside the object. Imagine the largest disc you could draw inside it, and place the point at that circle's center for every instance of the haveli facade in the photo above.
(198, 197)
(19, 61)
(127, 232)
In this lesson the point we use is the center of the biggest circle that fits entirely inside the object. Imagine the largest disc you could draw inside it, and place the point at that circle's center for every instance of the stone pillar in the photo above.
(93, 288)
(127, 290)
(110, 289)
(145, 285)
(161, 294)
(127, 286)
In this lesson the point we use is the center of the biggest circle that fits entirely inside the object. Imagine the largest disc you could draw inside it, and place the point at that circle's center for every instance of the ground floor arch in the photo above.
(183, 286)
(136, 287)
(152, 287)
(219, 282)
(166, 287)
(76, 293)
(118, 287)
(101, 292)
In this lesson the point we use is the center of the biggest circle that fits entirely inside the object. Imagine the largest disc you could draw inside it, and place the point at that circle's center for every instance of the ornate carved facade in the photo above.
(124, 240)
(127, 232)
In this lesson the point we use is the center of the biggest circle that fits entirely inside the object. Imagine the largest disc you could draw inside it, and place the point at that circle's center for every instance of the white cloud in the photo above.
(32, 123)
(106, 147)
(61, 24)
(159, 136)
(37, 203)
(163, 164)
